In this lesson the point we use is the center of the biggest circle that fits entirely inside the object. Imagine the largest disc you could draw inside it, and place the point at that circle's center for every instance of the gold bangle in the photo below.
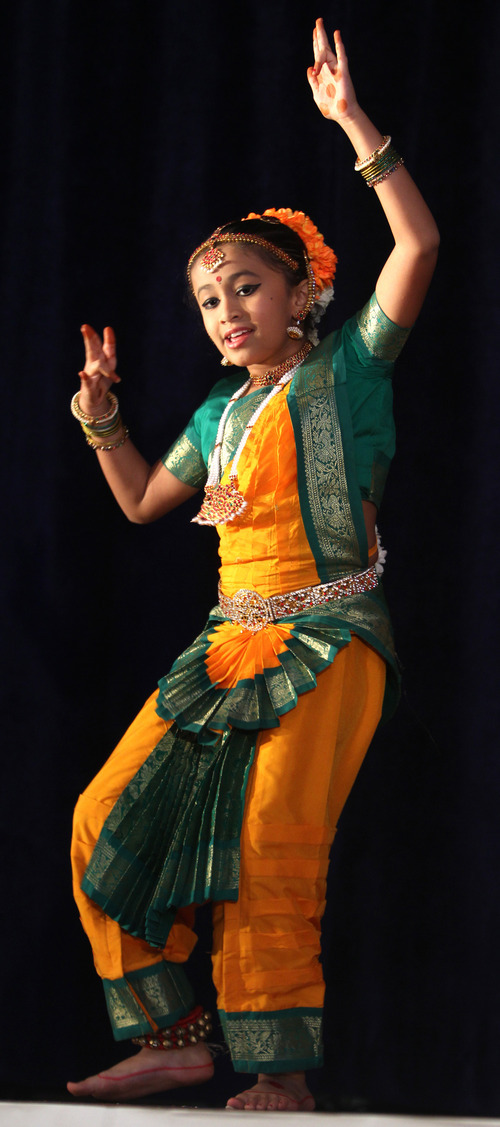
(378, 177)
(378, 152)
(103, 432)
(82, 417)
(114, 446)
(380, 164)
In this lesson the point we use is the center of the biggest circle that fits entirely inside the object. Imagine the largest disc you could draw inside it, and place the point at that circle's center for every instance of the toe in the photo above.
(236, 1102)
(263, 1101)
(81, 1088)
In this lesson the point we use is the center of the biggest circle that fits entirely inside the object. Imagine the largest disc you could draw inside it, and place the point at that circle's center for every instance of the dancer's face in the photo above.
(246, 307)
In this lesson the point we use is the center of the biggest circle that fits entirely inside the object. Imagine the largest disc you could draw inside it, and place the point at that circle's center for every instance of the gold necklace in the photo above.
(223, 503)
(273, 375)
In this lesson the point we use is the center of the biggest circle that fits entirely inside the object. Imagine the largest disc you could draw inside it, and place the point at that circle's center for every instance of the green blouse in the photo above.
(366, 346)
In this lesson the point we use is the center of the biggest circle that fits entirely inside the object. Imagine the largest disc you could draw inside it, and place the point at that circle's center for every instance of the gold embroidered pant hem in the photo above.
(266, 946)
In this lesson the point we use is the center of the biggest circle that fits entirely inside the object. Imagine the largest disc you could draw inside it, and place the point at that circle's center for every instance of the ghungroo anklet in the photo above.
(187, 1031)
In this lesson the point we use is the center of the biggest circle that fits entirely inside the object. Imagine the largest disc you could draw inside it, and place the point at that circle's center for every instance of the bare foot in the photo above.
(283, 1091)
(147, 1072)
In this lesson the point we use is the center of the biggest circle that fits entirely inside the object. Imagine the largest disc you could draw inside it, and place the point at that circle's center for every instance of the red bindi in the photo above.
(218, 278)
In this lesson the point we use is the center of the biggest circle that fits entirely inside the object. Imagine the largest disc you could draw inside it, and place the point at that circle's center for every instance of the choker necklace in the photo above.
(273, 375)
(223, 503)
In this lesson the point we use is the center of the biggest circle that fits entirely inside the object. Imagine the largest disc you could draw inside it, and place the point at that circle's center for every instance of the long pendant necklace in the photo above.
(223, 503)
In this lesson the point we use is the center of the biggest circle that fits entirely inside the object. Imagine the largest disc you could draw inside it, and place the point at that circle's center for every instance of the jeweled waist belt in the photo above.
(253, 611)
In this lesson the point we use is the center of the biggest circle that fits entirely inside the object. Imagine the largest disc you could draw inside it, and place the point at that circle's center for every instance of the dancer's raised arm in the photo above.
(405, 277)
(144, 492)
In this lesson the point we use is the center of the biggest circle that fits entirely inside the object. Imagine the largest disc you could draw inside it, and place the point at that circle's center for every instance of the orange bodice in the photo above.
(266, 548)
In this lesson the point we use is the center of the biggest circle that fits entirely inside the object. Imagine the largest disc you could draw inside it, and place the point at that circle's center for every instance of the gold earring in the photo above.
(294, 331)
(226, 362)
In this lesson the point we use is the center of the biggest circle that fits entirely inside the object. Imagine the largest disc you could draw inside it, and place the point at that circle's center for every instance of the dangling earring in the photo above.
(226, 362)
(294, 331)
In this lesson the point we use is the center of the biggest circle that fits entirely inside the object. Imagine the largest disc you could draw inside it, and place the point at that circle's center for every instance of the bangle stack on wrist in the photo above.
(380, 164)
(102, 432)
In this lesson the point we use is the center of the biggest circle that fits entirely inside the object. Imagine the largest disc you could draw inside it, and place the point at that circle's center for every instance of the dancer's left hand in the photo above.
(329, 78)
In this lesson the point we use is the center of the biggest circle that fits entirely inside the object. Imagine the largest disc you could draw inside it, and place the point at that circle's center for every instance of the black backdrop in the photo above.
(130, 130)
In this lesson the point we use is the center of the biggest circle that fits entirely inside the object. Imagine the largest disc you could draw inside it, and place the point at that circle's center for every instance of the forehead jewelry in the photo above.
(223, 503)
(214, 254)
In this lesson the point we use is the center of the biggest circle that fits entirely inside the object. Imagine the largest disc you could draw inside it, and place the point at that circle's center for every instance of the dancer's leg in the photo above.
(145, 990)
(267, 945)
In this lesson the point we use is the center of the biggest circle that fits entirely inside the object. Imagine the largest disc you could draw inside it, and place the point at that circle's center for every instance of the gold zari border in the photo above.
(382, 337)
(186, 462)
(325, 471)
(279, 1036)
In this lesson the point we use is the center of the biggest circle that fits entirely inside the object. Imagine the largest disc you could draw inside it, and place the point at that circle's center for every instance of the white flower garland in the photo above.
(319, 308)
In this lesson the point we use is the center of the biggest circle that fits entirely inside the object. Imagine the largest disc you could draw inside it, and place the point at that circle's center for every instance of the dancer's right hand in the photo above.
(99, 371)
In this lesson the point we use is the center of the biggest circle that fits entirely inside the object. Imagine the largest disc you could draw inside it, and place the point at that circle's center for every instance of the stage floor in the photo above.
(19, 1114)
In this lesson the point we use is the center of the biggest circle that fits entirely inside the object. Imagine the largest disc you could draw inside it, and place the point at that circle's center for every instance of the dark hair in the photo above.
(282, 237)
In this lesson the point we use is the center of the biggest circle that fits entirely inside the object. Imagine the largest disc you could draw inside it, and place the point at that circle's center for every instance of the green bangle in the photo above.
(380, 164)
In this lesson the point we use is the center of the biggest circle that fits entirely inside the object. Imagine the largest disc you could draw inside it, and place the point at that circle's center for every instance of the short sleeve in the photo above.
(371, 343)
(188, 457)
(382, 337)
(185, 460)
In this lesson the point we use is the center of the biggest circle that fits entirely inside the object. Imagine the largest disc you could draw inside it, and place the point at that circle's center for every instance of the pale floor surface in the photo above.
(18, 1114)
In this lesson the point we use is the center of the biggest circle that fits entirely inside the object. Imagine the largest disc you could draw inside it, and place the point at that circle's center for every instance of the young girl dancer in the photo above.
(229, 784)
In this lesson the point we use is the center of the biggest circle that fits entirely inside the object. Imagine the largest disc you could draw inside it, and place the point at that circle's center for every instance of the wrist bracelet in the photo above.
(380, 164)
(103, 432)
(107, 447)
(100, 429)
(378, 152)
(94, 420)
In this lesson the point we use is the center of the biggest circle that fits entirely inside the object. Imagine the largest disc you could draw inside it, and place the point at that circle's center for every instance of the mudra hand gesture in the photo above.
(329, 78)
(99, 371)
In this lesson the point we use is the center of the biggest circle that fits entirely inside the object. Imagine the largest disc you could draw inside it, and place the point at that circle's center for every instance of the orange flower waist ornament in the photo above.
(315, 260)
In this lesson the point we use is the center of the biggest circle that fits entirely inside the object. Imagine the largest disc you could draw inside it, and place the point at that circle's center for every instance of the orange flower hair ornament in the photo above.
(322, 258)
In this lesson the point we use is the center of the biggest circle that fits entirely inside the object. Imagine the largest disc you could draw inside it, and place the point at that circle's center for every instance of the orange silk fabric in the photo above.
(236, 653)
(266, 548)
